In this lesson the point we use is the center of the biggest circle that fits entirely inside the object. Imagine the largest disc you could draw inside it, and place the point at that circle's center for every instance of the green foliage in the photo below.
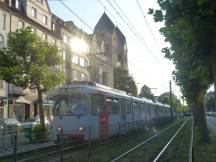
(165, 99)
(29, 62)
(38, 132)
(124, 81)
(190, 28)
(146, 92)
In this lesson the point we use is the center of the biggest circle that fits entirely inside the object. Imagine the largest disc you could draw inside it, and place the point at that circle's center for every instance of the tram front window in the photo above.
(70, 105)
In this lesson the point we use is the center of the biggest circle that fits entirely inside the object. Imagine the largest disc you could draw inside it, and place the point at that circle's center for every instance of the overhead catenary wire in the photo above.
(83, 21)
(132, 36)
(149, 27)
(137, 35)
(76, 15)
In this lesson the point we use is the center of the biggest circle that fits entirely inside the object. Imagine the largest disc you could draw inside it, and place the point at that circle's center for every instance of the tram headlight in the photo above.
(58, 130)
(81, 129)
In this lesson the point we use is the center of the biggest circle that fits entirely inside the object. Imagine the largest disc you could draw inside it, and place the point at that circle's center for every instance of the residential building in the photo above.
(109, 49)
(16, 14)
(87, 57)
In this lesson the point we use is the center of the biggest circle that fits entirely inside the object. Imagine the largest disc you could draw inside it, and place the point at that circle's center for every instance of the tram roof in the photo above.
(98, 87)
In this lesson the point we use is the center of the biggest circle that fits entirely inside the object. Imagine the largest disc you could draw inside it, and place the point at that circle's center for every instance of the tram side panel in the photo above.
(114, 115)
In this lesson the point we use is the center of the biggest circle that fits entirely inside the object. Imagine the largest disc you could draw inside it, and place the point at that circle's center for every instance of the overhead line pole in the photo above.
(171, 103)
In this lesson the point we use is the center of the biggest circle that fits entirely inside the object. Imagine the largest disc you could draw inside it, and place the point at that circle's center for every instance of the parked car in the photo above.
(37, 121)
(10, 124)
(1, 129)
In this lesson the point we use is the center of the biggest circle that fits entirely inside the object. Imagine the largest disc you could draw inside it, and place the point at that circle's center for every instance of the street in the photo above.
(211, 122)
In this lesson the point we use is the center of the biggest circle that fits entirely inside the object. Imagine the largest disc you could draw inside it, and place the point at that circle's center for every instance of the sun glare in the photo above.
(78, 45)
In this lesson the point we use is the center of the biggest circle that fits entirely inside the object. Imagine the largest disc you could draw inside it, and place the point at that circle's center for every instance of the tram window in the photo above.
(123, 107)
(128, 107)
(142, 107)
(135, 106)
(70, 105)
(96, 104)
(113, 105)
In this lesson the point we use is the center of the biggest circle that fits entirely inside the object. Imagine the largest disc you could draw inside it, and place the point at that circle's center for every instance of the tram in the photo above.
(84, 110)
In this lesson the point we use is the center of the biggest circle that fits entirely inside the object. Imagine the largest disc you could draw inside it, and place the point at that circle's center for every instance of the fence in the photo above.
(25, 145)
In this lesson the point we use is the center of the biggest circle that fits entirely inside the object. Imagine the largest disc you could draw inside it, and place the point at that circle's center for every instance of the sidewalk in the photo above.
(211, 122)
(25, 148)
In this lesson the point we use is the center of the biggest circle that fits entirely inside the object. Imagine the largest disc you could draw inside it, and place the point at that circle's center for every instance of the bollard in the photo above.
(61, 146)
(119, 133)
(15, 146)
(89, 141)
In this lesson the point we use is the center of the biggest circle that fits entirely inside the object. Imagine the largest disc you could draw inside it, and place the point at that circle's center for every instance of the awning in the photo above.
(22, 100)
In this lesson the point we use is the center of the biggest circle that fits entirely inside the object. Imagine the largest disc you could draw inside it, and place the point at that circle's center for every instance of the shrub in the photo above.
(38, 132)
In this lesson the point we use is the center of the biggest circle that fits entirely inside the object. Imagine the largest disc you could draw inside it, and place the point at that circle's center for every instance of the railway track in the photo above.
(55, 153)
(162, 150)
(169, 142)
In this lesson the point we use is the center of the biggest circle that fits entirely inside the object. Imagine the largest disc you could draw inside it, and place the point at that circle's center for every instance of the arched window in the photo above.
(1, 41)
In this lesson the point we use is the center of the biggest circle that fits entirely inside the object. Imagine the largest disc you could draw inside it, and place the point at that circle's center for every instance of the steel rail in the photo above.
(53, 152)
(143, 142)
(191, 142)
(166, 146)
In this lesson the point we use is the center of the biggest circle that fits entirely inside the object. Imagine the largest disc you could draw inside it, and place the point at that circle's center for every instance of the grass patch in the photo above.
(178, 150)
(149, 151)
(204, 152)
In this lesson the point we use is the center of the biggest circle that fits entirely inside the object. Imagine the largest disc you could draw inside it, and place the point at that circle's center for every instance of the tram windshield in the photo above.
(70, 105)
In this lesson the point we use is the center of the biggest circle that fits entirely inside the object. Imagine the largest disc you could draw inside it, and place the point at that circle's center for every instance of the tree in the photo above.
(165, 99)
(29, 62)
(124, 81)
(190, 29)
(146, 92)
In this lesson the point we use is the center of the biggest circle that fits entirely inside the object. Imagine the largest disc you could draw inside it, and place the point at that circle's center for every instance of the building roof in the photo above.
(120, 35)
(105, 22)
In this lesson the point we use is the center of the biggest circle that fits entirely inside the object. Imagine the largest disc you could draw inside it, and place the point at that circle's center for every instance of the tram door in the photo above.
(123, 110)
(99, 120)
(123, 115)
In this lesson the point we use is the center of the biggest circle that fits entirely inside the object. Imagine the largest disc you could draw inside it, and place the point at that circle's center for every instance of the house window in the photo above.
(1, 41)
(20, 24)
(33, 30)
(4, 21)
(75, 59)
(34, 12)
(82, 62)
(45, 20)
(64, 55)
(45, 37)
(18, 4)
(65, 39)
(86, 63)
(105, 78)
(74, 75)
(54, 41)
(53, 27)
(82, 76)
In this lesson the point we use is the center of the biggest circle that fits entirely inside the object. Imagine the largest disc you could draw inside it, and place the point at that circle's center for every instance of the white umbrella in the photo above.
(22, 100)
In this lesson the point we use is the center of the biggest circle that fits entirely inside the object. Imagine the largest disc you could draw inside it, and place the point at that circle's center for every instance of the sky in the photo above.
(146, 62)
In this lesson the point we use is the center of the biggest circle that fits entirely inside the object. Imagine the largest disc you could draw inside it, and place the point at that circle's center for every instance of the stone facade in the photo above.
(108, 47)
(17, 14)
(98, 55)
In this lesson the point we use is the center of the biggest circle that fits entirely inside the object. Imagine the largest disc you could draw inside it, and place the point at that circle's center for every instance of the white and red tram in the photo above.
(87, 110)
